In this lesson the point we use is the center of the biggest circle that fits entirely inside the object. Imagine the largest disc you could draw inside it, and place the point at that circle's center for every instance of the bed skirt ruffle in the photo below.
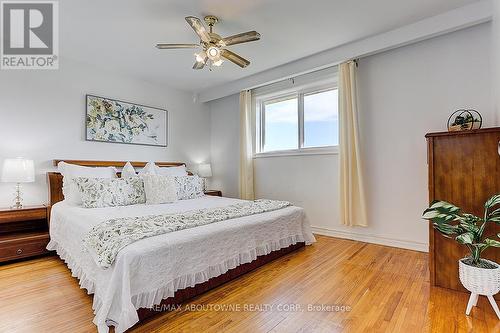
(77, 271)
(148, 299)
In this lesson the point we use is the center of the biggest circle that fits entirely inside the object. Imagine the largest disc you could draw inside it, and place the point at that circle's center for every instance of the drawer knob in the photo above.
(19, 251)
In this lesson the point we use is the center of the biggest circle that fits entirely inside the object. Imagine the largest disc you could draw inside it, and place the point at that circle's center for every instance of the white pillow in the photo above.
(71, 171)
(149, 169)
(128, 171)
(159, 189)
(172, 171)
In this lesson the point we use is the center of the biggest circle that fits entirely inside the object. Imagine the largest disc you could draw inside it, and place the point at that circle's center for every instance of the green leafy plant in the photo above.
(467, 229)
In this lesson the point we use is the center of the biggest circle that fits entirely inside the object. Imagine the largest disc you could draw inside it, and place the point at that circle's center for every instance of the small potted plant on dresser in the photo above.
(478, 275)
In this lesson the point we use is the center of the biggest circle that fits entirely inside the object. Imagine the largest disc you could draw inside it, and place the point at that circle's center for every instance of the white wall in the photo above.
(404, 93)
(42, 116)
(225, 145)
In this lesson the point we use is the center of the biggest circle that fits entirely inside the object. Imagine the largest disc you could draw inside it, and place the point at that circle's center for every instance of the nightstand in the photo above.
(23, 232)
(215, 193)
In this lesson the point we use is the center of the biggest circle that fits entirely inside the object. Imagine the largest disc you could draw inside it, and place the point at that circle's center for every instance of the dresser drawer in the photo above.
(23, 247)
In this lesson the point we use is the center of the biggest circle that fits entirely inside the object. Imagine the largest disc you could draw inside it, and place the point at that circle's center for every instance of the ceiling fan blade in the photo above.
(199, 28)
(244, 37)
(176, 46)
(233, 57)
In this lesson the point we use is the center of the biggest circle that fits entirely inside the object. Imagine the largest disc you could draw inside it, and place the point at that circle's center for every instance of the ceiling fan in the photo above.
(213, 46)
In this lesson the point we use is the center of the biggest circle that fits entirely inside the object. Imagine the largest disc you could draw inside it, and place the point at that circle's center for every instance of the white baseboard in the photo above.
(404, 244)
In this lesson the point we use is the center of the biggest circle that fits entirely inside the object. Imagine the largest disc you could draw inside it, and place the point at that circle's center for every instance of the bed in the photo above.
(167, 268)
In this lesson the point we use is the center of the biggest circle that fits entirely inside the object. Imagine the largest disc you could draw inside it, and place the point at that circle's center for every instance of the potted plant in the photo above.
(479, 276)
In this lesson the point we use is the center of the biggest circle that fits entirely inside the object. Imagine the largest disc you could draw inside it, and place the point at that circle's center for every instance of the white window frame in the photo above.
(299, 92)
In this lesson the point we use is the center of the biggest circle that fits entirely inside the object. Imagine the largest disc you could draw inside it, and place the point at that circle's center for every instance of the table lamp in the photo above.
(205, 171)
(18, 170)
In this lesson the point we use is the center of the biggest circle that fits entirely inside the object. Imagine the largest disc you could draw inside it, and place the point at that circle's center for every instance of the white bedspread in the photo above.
(152, 269)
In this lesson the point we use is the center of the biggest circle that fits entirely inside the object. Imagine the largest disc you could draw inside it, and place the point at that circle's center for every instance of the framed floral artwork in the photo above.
(111, 120)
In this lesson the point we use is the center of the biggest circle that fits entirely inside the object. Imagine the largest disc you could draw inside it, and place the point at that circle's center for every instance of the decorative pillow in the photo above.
(172, 171)
(159, 189)
(104, 192)
(71, 171)
(189, 187)
(128, 171)
(149, 169)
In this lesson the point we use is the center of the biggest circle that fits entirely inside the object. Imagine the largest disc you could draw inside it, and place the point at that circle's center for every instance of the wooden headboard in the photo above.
(55, 178)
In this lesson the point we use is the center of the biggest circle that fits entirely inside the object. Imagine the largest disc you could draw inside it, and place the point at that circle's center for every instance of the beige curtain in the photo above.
(246, 151)
(352, 195)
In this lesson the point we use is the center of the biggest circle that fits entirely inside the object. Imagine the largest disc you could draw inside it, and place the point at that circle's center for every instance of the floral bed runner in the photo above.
(106, 239)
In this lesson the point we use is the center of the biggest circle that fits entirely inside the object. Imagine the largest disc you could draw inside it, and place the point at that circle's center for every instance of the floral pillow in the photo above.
(103, 192)
(189, 187)
(72, 171)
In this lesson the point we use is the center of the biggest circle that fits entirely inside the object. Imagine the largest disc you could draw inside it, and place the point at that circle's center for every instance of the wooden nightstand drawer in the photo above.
(215, 193)
(24, 214)
(23, 232)
(27, 245)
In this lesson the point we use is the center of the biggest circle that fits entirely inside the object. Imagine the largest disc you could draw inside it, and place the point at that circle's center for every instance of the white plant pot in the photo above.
(480, 281)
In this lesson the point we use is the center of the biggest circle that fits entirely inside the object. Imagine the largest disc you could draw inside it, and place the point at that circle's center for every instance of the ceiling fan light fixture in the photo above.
(218, 62)
(200, 57)
(213, 52)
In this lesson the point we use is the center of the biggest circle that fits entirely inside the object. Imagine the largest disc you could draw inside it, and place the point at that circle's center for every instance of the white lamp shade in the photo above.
(205, 170)
(18, 170)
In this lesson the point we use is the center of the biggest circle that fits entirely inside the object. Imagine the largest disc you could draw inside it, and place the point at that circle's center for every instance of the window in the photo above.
(280, 124)
(321, 121)
(302, 121)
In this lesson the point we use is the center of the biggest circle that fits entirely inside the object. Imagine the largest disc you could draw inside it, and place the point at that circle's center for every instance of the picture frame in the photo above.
(116, 121)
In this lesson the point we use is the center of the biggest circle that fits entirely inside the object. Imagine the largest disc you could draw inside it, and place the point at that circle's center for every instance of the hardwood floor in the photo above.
(384, 289)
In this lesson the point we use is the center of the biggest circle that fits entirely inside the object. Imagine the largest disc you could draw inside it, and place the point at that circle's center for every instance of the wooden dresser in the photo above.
(464, 169)
(23, 232)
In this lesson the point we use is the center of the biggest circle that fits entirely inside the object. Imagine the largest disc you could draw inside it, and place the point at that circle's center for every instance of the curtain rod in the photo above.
(293, 77)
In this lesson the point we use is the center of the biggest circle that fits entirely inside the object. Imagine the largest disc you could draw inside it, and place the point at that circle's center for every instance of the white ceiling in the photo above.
(120, 35)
